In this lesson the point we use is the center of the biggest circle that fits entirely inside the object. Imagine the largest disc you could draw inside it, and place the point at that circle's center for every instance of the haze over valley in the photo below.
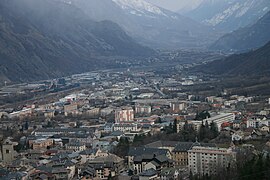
(134, 89)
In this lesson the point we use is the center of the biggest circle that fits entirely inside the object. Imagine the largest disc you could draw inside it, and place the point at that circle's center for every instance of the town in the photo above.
(129, 124)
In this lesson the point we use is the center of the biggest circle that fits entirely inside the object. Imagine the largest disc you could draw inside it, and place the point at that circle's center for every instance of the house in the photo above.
(87, 172)
(75, 146)
(108, 127)
(91, 154)
(149, 174)
(169, 174)
(139, 153)
(106, 166)
(236, 124)
(170, 145)
(237, 135)
(41, 143)
(151, 161)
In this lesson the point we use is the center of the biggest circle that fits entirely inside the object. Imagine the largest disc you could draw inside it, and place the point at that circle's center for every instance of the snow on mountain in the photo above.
(219, 18)
(139, 7)
(236, 10)
(229, 15)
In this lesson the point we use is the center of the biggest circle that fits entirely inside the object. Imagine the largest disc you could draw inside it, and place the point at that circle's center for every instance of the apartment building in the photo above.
(209, 160)
(124, 114)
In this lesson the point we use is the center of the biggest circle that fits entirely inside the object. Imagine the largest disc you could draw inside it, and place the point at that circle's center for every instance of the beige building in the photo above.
(41, 143)
(177, 106)
(143, 109)
(124, 114)
(70, 109)
(8, 152)
(76, 146)
(209, 160)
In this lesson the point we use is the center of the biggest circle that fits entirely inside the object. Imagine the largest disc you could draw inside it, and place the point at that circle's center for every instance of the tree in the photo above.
(175, 126)
(206, 124)
(202, 115)
(122, 147)
(26, 125)
(214, 129)
(202, 132)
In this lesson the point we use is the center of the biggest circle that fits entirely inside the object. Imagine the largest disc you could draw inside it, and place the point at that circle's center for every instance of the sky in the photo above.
(176, 5)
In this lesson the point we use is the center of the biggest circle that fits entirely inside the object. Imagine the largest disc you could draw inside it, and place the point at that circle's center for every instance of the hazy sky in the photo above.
(176, 5)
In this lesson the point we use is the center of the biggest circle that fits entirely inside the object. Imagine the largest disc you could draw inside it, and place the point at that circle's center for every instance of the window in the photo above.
(7, 151)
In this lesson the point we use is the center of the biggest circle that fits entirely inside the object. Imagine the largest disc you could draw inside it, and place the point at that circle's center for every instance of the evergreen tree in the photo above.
(206, 124)
(202, 132)
(175, 126)
(26, 125)
(214, 129)
(122, 147)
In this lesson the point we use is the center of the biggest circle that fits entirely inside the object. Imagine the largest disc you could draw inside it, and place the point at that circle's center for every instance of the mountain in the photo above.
(250, 37)
(229, 15)
(42, 39)
(251, 63)
(149, 24)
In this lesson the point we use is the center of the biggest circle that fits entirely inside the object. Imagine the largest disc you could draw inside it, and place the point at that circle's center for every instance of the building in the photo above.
(209, 160)
(8, 152)
(143, 109)
(221, 118)
(70, 109)
(124, 114)
(106, 166)
(76, 146)
(169, 145)
(41, 144)
(256, 123)
(180, 152)
(63, 131)
(138, 157)
(177, 107)
(150, 174)
(218, 119)
(126, 127)
(146, 162)
(93, 112)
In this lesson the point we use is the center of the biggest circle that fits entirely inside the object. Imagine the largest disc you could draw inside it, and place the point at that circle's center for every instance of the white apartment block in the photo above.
(126, 127)
(221, 118)
(124, 114)
(209, 160)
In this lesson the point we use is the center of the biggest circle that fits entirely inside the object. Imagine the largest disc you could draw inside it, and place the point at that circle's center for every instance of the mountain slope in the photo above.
(43, 39)
(246, 38)
(252, 63)
(149, 24)
(229, 15)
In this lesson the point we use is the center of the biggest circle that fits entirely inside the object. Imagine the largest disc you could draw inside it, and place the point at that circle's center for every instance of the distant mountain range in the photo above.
(229, 15)
(148, 24)
(42, 39)
(243, 39)
(252, 63)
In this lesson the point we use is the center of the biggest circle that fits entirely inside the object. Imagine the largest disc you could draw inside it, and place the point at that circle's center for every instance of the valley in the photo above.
(134, 89)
